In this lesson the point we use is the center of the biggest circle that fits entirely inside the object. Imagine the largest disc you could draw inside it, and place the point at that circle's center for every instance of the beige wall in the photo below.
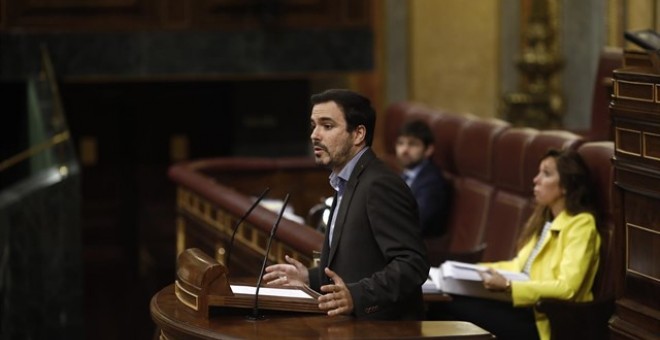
(454, 48)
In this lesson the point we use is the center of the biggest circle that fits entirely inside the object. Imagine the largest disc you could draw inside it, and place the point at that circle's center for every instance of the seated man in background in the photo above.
(414, 148)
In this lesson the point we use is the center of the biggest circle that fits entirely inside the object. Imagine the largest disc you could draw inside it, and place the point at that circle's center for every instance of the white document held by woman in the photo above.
(454, 270)
(434, 282)
(470, 271)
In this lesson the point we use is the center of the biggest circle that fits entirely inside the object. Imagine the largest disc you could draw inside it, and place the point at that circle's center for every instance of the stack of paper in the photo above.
(469, 271)
(463, 279)
(432, 284)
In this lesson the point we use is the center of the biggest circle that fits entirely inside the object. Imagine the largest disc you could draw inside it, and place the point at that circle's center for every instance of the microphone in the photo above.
(255, 310)
(233, 234)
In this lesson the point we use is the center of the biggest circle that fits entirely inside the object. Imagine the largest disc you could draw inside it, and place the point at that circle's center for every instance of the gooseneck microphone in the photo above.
(247, 213)
(255, 310)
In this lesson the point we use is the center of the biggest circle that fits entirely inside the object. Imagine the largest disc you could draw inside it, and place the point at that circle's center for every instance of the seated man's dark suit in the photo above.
(432, 192)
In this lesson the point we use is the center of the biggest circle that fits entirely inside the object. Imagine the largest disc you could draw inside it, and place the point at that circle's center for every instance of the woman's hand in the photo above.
(292, 273)
(493, 280)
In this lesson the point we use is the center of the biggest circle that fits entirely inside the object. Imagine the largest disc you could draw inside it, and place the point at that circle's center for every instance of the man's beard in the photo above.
(342, 156)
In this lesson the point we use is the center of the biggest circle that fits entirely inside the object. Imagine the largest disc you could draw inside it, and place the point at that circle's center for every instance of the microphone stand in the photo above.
(255, 316)
(233, 234)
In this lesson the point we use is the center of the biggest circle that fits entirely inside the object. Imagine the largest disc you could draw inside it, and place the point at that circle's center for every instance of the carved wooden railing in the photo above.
(212, 194)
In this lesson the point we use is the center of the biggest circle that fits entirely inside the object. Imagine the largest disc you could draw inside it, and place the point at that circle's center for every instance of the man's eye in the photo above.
(327, 126)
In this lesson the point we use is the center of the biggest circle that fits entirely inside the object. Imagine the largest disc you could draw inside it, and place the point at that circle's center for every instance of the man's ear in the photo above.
(429, 151)
(360, 135)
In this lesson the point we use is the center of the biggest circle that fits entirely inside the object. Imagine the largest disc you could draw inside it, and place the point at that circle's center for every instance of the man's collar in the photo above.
(412, 173)
(347, 170)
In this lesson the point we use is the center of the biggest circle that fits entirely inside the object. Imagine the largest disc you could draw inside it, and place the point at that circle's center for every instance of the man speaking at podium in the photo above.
(373, 261)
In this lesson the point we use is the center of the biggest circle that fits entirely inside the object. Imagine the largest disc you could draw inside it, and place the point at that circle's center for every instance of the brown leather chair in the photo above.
(399, 113)
(512, 200)
(472, 191)
(589, 320)
(445, 129)
(396, 115)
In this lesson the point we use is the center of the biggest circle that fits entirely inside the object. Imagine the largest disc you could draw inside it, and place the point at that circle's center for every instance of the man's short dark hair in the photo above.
(357, 109)
(417, 129)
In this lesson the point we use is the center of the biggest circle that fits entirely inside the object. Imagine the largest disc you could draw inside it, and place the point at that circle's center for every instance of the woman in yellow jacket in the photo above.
(558, 249)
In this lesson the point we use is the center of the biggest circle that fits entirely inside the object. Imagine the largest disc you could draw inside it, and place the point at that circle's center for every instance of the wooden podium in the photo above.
(202, 304)
(177, 321)
(202, 282)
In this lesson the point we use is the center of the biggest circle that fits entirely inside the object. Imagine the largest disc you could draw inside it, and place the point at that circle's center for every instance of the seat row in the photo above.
(491, 165)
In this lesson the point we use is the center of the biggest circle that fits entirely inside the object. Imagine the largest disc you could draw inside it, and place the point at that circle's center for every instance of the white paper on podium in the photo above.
(281, 292)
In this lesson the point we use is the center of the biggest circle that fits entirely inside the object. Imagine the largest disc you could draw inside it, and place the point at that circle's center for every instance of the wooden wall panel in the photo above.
(634, 112)
(83, 14)
(643, 235)
(282, 13)
(127, 15)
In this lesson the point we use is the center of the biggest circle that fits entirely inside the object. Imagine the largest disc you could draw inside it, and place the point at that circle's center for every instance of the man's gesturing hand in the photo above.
(292, 273)
(338, 299)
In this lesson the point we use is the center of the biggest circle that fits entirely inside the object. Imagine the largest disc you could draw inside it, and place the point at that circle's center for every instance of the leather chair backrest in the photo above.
(509, 159)
(511, 204)
(395, 116)
(399, 113)
(473, 148)
(472, 194)
(445, 129)
(598, 157)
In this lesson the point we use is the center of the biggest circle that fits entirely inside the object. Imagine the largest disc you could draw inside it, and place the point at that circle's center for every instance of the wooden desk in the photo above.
(436, 297)
(634, 111)
(177, 322)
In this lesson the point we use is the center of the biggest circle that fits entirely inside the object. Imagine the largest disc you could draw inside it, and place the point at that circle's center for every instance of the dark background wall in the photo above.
(150, 82)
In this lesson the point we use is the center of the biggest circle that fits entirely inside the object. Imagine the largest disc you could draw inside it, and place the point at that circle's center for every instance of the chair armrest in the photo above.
(577, 320)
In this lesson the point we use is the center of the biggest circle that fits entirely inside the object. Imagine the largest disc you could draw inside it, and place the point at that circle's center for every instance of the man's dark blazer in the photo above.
(377, 247)
(432, 192)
